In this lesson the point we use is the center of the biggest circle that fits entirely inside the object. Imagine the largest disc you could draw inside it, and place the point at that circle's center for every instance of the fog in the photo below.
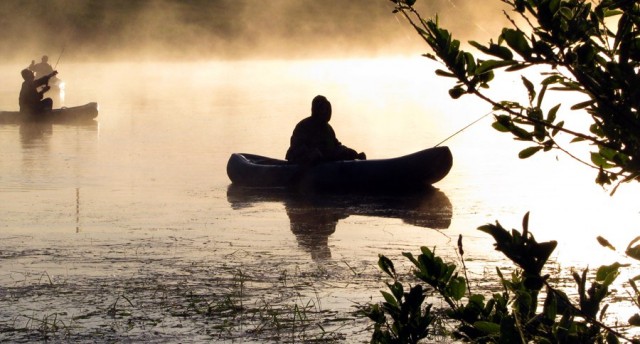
(228, 29)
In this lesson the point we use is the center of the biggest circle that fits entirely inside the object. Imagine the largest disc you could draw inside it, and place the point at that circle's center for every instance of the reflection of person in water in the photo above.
(35, 133)
(313, 219)
(313, 226)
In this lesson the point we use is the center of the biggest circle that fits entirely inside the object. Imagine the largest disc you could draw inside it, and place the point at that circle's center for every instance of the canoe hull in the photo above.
(258, 171)
(75, 114)
(419, 169)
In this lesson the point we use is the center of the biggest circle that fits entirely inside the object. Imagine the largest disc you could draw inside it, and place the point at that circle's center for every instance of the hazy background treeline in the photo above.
(228, 29)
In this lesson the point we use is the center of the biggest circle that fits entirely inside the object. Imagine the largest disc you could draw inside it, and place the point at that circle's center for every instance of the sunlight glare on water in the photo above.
(165, 132)
(153, 166)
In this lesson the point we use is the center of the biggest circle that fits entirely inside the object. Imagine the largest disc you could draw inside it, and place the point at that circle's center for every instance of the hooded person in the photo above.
(314, 140)
(31, 98)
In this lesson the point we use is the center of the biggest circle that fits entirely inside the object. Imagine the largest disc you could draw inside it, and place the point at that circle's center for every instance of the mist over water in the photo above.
(227, 29)
(183, 84)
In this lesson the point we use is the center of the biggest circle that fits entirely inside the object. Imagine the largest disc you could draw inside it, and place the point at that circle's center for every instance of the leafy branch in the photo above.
(512, 316)
(566, 36)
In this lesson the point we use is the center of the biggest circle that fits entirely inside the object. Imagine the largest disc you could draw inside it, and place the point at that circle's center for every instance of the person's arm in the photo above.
(43, 91)
(45, 79)
(344, 151)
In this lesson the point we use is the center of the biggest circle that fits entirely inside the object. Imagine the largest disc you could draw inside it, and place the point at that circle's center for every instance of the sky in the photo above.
(227, 29)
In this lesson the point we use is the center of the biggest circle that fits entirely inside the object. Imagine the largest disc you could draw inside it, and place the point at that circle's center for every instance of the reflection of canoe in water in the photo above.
(419, 169)
(429, 208)
(314, 217)
(75, 114)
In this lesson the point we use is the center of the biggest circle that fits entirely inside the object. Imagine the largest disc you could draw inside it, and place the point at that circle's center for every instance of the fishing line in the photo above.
(59, 57)
(463, 129)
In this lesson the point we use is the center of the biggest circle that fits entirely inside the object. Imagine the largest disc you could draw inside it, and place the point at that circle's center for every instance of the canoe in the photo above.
(75, 114)
(419, 169)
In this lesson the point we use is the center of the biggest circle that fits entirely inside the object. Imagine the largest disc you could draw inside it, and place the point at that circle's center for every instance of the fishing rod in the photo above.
(59, 57)
(465, 128)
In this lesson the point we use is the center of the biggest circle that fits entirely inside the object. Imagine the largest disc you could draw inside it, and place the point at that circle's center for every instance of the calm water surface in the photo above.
(148, 179)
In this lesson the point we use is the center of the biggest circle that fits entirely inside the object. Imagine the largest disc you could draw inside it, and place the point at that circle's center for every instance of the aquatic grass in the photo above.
(134, 295)
(113, 311)
(49, 326)
(352, 269)
(294, 322)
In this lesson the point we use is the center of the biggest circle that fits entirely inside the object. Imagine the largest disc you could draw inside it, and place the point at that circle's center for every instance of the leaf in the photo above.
(566, 12)
(554, 78)
(632, 283)
(530, 89)
(550, 309)
(551, 115)
(386, 265)
(603, 179)
(470, 62)
(543, 91)
(605, 271)
(521, 133)
(583, 105)
(430, 56)
(633, 251)
(390, 299)
(494, 50)
(411, 258)
(444, 73)
(487, 327)
(634, 320)
(488, 65)
(397, 290)
(476, 299)
(605, 243)
(528, 152)
(457, 287)
(559, 126)
(517, 66)
(456, 92)
(499, 127)
(600, 161)
(517, 41)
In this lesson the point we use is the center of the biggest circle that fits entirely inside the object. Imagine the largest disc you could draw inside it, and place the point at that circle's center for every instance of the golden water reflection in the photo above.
(313, 218)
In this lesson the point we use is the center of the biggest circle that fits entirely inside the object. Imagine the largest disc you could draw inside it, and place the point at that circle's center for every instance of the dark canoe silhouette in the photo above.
(75, 114)
(419, 169)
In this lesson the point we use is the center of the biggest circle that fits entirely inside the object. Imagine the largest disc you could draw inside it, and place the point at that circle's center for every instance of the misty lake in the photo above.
(128, 229)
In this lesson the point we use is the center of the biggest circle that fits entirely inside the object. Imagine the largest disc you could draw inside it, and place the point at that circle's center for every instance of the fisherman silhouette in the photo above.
(314, 141)
(31, 98)
(42, 68)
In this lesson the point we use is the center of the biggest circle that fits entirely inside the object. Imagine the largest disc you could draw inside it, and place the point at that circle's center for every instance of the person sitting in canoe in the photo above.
(42, 68)
(314, 141)
(30, 99)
